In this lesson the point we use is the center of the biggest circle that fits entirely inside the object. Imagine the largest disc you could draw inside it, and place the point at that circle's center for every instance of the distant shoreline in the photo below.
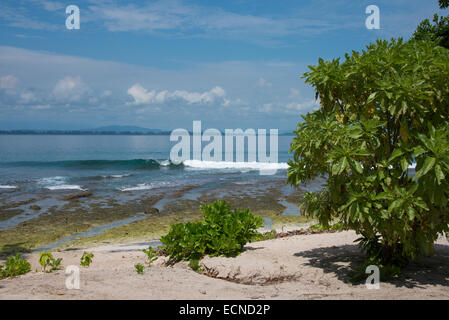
(81, 132)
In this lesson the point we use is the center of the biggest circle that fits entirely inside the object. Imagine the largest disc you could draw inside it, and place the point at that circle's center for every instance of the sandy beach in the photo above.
(311, 266)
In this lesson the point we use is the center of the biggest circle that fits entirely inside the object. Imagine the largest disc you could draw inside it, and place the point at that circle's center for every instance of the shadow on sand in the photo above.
(431, 270)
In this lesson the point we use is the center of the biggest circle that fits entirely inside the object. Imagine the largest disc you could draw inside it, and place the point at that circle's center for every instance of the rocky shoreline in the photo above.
(88, 218)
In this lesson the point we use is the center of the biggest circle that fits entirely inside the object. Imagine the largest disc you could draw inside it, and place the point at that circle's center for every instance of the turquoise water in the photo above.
(51, 163)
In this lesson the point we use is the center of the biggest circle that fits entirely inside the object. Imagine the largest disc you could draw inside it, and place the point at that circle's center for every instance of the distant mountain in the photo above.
(124, 129)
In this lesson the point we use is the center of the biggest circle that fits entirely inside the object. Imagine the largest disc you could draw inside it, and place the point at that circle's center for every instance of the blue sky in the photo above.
(163, 64)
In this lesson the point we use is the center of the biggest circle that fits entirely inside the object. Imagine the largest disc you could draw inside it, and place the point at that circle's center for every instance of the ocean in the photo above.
(106, 163)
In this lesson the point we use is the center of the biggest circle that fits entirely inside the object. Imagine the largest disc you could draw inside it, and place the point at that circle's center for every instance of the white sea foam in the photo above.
(7, 187)
(164, 163)
(58, 183)
(58, 180)
(117, 176)
(148, 186)
(65, 187)
(141, 186)
(198, 164)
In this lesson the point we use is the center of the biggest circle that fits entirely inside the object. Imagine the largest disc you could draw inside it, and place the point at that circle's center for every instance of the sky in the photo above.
(163, 64)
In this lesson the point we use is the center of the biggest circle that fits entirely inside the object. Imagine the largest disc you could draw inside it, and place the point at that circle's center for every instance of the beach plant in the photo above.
(222, 232)
(14, 266)
(86, 259)
(194, 264)
(46, 259)
(139, 268)
(382, 111)
(151, 254)
(269, 235)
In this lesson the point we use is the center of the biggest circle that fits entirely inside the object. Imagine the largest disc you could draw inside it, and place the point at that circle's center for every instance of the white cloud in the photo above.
(69, 88)
(8, 82)
(263, 83)
(52, 5)
(180, 18)
(41, 107)
(307, 105)
(289, 108)
(140, 94)
(27, 97)
(143, 96)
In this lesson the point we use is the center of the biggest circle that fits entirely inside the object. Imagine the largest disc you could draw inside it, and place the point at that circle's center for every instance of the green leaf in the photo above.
(371, 97)
(429, 162)
(411, 213)
(417, 151)
(395, 205)
(439, 173)
(358, 167)
(404, 164)
(396, 153)
(338, 167)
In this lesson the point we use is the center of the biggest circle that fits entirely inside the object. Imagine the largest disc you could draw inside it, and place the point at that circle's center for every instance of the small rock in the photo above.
(150, 210)
(35, 207)
(77, 196)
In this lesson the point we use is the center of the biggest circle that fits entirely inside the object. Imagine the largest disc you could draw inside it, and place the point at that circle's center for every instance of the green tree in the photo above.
(439, 30)
(381, 110)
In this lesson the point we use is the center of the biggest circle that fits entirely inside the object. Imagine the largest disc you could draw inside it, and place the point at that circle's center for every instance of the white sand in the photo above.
(298, 267)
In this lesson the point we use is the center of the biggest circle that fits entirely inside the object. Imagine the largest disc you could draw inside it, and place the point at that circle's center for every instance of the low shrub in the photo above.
(139, 268)
(222, 232)
(14, 266)
(46, 259)
(86, 259)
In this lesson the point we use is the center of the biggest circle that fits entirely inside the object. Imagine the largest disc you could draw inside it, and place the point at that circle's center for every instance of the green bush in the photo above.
(46, 259)
(14, 266)
(222, 232)
(86, 259)
(139, 268)
(438, 31)
(381, 110)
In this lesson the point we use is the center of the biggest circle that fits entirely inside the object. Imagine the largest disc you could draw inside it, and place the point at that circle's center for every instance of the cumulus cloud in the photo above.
(8, 82)
(69, 88)
(290, 107)
(143, 96)
(307, 105)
